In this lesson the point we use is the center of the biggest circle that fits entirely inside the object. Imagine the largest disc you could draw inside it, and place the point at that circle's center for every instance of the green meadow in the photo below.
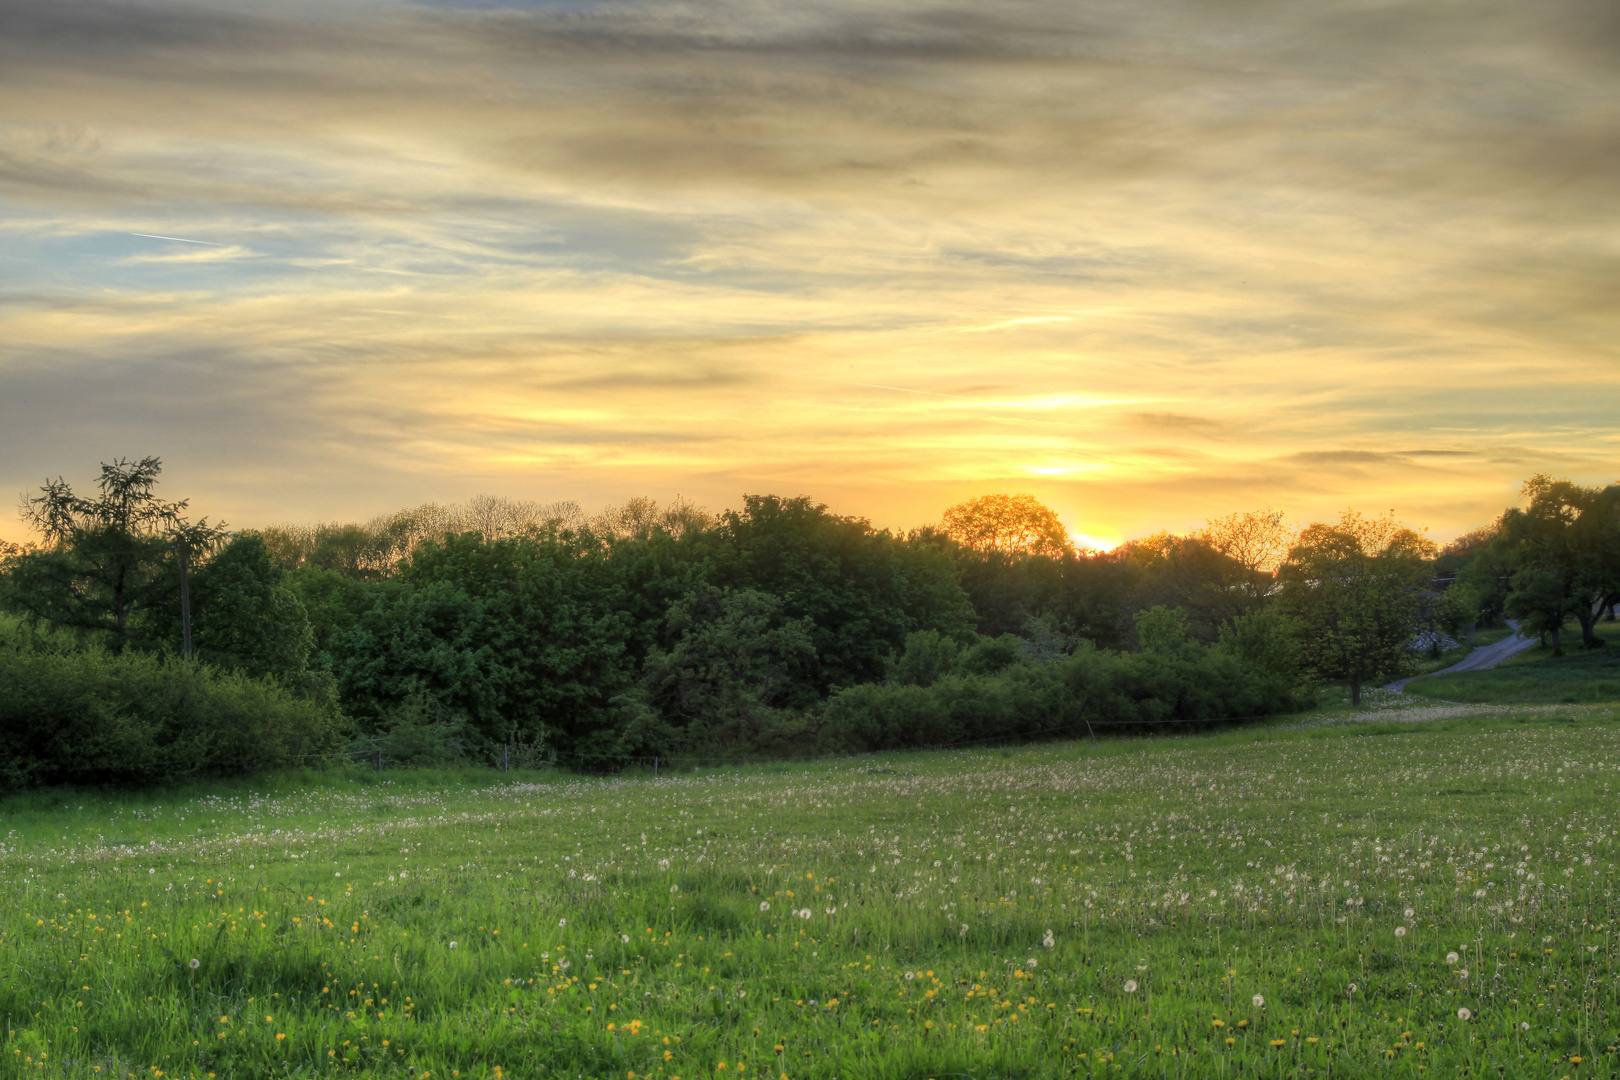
(1407, 893)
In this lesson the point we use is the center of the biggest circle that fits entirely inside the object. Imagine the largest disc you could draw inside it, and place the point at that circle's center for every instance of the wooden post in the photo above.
(655, 768)
(185, 603)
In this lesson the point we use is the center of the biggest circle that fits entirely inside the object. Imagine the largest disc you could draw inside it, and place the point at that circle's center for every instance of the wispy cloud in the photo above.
(1154, 260)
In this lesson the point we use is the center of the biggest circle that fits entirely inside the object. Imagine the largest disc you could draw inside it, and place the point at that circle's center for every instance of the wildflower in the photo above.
(1524, 1026)
(764, 905)
(625, 938)
(674, 888)
(1464, 1014)
(1451, 958)
(1259, 1002)
(1030, 963)
(804, 913)
(195, 963)
(1278, 1044)
(562, 922)
(1130, 986)
(1048, 941)
(1462, 973)
(452, 944)
(1408, 913)
(832, 911)
(1400, 931)
(1352, 988)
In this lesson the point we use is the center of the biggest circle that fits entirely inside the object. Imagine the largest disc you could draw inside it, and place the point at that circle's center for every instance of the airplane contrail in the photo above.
(183, 240)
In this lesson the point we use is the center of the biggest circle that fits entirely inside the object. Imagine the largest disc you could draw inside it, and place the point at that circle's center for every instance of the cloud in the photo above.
(1209, 256)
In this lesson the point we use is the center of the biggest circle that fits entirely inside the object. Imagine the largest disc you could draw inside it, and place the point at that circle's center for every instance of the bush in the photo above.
(1174, 689)
(89, 717)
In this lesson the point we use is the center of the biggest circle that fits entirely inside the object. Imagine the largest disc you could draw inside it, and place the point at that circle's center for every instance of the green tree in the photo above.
(244, 617)
(523, 637)
(862, 588)
(733, 671)
(1457, 610)
(1356, 589)
(1566, 539)
(103, 558)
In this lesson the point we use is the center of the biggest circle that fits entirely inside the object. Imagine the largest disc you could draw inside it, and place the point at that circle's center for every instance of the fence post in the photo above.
(655, 768)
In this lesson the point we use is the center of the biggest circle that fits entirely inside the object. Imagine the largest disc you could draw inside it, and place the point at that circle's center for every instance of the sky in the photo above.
(1150, 261)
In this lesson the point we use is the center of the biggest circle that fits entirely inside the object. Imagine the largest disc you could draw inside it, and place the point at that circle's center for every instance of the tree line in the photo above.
(440, 634)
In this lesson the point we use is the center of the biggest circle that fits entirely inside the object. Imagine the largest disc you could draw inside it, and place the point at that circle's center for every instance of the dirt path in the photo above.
(1487, 656)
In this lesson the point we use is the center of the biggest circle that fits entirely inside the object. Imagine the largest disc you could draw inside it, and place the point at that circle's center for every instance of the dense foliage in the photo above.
(87, 716)
(779, 628)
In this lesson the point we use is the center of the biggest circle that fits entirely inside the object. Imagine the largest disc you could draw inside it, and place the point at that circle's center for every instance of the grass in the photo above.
(1537, 676)
(1278, 901)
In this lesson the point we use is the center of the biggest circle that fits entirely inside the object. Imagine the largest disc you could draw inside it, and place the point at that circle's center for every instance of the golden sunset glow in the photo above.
(1151, 262)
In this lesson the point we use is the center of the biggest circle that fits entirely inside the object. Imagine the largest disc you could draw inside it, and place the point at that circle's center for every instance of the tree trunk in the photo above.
(1355, 691)
(1557, 637)
(1588, 616)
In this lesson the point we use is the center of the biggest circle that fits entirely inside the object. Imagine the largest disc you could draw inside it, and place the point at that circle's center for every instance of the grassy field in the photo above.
(1536, 675)
(1345, 898)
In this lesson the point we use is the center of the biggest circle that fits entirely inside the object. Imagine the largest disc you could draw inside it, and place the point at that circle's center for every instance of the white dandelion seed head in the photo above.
(1259, 1002)
(1030, 963)
(910, 976)
(663, 864)
(742, 993)
(195, 963)
(1451, 958)
(1462, 973)
(1524, 1025)
(1048, 941)
(832, 911)
(674, 888)
(804, 913)
(1130, 986)
(1352, 988)
(764, 905)
(1400, 931)
(150, 872)
(562, 922)
(625, 938)
(452, 944)
(1464, 1014)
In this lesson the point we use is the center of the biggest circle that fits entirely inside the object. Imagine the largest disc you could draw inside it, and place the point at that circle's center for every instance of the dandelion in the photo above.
(1464, 1014)
(909, 976)
(1451, 958)
(625, 938)
(674, 888)
(1462, 973)
(742, 993)
(1524, 1025)
(1400, 931)
(1130, 986)
(1048, 941)
(1030, 963)
(764, 905)
(1352, 988)
(562, 922)
(195, 963)
(1408, 913)
(1259, 1002)
(663, 864)
(962, 930)
(804, 913)
(452, 944)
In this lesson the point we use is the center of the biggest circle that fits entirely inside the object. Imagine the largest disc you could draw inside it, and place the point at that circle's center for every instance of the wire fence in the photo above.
(591, 762)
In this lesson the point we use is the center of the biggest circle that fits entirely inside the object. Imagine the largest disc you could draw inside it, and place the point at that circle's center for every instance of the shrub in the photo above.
(89, 717)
